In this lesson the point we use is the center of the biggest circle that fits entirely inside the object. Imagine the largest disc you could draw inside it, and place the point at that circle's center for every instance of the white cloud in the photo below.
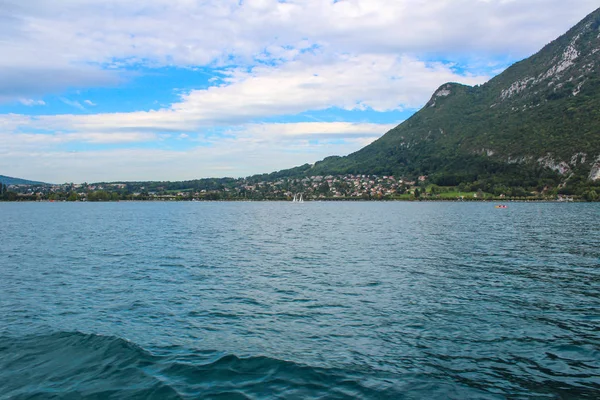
(379, 82)
(316, 82)
(28, 77)
(32, 102)
(89, 103)
(315, 130)
(10, 122)
(48, 141)
(72, 103)
(386, 83)
(55, 45)
(196, 33)
(249, 149)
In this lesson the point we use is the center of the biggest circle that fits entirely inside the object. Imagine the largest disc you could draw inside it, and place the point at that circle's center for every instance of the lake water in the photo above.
(314, 300)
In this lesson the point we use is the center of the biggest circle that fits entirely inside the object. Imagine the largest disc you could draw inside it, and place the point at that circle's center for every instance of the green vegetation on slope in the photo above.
(7, 180)
(535, 125)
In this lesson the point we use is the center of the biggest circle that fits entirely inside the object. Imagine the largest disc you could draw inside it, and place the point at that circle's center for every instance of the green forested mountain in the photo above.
(7, 180)
(536, 124)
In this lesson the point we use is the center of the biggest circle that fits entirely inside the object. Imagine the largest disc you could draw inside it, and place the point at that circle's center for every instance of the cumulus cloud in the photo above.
(183, 32)
(377, 82)
(58, 45)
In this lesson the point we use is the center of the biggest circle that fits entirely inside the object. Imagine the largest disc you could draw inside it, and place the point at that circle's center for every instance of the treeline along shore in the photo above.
(330, 187)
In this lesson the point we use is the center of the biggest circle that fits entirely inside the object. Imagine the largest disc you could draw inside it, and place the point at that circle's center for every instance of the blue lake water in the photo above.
(314, 300)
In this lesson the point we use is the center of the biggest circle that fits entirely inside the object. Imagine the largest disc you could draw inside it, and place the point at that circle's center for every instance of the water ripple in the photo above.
(321, 300)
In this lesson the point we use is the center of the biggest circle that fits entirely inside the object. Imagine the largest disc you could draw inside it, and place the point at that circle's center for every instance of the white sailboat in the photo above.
(298, 198)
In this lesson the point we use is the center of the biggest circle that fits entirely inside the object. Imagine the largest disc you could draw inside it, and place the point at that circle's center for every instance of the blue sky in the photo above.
(178, 89)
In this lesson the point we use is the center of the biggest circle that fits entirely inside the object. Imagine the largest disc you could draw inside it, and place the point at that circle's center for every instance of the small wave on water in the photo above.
(368, 301)
(77, 365)
(74, 365)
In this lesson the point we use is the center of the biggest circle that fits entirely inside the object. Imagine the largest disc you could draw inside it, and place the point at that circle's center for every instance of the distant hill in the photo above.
(7, 180)
(538, 122)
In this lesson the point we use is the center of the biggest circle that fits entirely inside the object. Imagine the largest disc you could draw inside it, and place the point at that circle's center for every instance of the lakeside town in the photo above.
(340, 187)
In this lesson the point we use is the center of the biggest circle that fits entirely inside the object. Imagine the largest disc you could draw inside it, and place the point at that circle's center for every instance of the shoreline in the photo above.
(314, 201)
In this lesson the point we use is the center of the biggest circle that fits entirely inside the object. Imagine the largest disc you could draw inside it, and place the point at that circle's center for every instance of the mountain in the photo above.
(7, 180)
(536, 123)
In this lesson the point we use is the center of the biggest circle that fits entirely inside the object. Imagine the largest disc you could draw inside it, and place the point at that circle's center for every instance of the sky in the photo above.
(107, 90)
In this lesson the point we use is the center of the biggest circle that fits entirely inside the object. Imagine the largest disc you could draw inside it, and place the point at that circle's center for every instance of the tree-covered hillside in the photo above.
(536, 124)
(7, 180)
